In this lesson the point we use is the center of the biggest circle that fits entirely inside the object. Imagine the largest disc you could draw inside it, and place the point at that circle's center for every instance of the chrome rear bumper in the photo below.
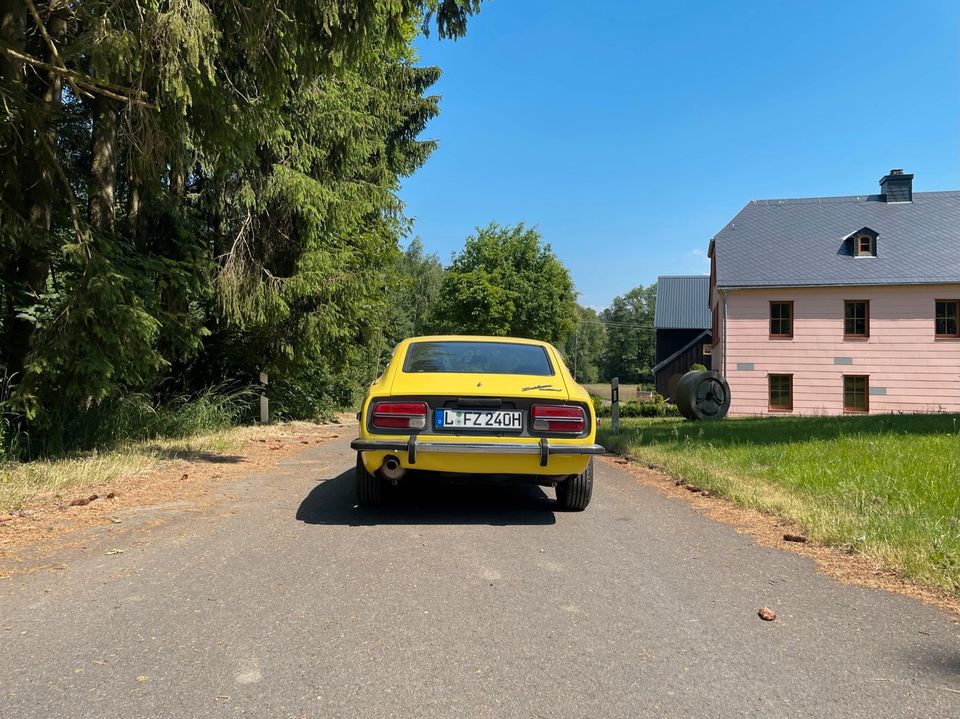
(413, 447)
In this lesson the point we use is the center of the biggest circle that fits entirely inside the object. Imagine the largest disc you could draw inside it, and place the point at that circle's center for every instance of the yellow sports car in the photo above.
(480, 406)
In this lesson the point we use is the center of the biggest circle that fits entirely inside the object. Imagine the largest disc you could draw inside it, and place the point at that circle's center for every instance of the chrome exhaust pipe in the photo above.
(391, 469)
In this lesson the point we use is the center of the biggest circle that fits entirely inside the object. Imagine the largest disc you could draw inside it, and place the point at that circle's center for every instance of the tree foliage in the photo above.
(631, 340)
(504, 282)
(415, 287)
(193, 191)
(586, 348)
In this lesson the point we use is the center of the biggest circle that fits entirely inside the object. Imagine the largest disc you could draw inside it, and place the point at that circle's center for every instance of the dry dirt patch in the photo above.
(183, 473)
(771, 531)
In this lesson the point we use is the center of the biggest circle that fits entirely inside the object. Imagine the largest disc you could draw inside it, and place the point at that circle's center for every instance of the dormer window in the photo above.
(862, 243)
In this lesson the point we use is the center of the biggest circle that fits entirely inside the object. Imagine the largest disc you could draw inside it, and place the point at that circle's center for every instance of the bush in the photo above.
(598, 407)
(697, 367)
(649, 409)
(134, 417)
(656, 408)
(629, 409)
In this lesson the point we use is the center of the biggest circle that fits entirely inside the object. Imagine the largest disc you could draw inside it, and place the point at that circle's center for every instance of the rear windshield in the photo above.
(477, 357)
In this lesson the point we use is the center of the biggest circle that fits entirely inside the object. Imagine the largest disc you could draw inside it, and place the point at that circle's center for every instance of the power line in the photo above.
(618, 324)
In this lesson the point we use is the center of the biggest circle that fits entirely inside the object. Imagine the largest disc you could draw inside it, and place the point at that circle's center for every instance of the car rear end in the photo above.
(514, 411)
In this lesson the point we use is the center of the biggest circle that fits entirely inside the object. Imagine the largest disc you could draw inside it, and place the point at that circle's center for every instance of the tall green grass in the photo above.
(129, 418)
(125, 435)
(886, 486)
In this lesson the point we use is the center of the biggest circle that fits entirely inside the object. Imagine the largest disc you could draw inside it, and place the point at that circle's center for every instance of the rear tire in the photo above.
(371, 489)
(574, 493)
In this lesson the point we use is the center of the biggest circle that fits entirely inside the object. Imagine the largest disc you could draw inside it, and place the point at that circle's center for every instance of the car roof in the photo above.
(473, 338)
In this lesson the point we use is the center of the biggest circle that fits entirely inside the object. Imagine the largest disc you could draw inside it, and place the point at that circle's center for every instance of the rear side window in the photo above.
(478, 358)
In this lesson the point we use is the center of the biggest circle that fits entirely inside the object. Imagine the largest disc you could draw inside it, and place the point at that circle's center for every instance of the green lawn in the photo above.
(887, 486)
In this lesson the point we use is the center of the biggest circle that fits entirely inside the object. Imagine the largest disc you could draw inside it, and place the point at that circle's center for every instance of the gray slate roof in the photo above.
(791, 243)
(683, 302)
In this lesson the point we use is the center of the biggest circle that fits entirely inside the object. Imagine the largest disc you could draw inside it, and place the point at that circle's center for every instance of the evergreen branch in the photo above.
(54, 53)
(229, 255)
(88, 84)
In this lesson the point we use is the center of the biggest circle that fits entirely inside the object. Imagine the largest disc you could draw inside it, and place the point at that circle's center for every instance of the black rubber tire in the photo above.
(371, 489)
(574, 493)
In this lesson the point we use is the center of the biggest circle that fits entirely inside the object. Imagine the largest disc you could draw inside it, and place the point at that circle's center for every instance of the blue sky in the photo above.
(631, 132)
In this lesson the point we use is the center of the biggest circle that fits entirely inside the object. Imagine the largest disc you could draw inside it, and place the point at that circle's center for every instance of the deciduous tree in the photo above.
(506, 281)
(585, 349)
(631, 340)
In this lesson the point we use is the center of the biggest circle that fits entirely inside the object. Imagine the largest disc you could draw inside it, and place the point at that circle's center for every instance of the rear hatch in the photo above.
(503, 386)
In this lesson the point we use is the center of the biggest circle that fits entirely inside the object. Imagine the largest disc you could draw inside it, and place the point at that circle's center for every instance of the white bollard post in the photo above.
(264, 401)
(615, 405)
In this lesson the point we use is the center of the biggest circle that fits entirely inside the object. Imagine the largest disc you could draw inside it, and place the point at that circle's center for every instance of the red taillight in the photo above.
(400, 415)
(558, 418)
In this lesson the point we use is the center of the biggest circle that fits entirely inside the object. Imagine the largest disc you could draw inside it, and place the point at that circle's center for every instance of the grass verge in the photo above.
(887, 487)
(131, 417)
(26, 483)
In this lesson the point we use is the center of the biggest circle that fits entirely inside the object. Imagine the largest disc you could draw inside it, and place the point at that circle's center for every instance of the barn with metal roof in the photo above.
(682, 320)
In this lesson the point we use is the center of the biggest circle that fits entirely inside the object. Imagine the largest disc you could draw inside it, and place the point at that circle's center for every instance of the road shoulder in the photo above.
(769, 531)
(44, 533)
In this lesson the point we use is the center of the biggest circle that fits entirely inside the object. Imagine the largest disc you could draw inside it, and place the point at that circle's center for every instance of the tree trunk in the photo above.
(13, 14)
(172, 301)
(103, 166)
(178, 182)
(28, 265)
(12, 28)
(216, 193)
(134, 205)
(46, 90)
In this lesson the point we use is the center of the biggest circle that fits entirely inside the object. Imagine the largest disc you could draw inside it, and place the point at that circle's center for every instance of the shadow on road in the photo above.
(430, 500)
(944, 665)
(194, 455)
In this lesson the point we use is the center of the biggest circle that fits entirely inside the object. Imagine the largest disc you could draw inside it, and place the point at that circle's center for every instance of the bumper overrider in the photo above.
(412, 446)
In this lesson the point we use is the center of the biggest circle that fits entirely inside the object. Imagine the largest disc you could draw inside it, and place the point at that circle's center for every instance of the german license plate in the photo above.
(494, 420)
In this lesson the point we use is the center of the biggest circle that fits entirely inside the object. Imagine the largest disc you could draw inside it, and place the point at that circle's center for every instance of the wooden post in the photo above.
(615, 405)
(264, 400)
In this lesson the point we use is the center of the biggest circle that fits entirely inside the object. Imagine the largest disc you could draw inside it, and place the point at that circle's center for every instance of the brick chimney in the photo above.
(896, 187)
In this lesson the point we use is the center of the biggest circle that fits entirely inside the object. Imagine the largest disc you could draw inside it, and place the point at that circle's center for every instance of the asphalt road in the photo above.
(286, 601)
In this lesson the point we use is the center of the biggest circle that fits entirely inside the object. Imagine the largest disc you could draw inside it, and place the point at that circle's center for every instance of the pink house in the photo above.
(840, 304)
